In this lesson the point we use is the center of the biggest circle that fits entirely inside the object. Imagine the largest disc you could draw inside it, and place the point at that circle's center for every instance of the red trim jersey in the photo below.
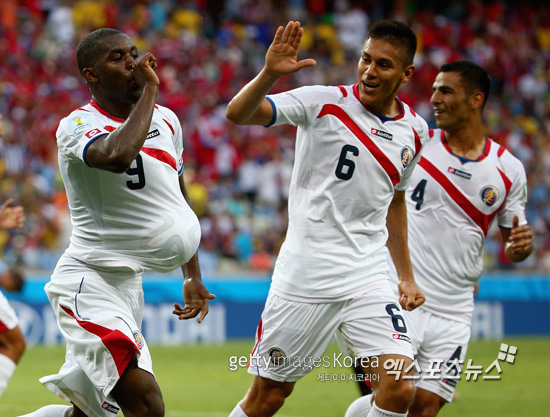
(348, 163)
(134, 221)
(451, 204)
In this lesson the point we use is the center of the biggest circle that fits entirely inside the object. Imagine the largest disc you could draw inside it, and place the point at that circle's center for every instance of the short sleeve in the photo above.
(517, 196)
(75, 134)
(299, 107)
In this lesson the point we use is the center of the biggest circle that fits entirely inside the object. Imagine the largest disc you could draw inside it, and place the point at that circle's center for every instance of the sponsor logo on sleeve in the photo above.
(153, 133)
(110, 407)
(92, 133)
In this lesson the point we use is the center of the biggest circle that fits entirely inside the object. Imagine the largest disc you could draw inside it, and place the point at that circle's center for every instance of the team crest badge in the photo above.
(138, 338)
(405, 156)
(489, 195)
(277, 355)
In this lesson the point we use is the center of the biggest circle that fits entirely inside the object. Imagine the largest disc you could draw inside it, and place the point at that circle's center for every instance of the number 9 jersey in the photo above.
(134, 221)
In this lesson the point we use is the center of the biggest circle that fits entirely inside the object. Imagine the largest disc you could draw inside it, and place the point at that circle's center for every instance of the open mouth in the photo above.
(369, 85)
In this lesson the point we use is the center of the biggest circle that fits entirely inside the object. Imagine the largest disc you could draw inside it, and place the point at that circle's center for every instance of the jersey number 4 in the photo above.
(418, 194)
(136, 169)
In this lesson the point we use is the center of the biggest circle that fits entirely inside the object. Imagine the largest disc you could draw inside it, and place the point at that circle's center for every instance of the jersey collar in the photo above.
(381, 117)
(105, 113)
(461, 158)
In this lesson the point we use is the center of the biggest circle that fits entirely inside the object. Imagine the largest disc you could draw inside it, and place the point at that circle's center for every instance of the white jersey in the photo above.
(134, 221)
(451, 205)
(348, 162)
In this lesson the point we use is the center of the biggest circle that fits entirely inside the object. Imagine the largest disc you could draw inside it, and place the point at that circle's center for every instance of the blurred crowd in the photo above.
(207, 50)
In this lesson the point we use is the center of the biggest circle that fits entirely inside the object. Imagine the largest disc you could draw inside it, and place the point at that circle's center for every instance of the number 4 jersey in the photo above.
(348, 163)
(134, 221)
(451, 204)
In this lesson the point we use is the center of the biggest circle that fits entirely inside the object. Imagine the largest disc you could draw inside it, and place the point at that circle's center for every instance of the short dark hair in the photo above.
(89, 47)
(398, 34)
(473, 77)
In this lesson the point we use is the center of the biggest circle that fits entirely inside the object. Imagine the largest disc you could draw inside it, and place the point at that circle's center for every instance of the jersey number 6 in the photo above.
(345, 167)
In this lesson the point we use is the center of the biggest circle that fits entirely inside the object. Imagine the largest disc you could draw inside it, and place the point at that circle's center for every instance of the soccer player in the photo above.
(464, 182)
(12, 341)
(355, 149)
(120, 158)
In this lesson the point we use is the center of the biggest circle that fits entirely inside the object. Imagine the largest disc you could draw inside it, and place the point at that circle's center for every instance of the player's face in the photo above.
(450, 101)
(381, 72)
(114, 70)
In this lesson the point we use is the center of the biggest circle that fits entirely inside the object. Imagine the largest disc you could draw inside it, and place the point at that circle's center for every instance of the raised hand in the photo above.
(282, 56)
(11, 217)
(144, 70)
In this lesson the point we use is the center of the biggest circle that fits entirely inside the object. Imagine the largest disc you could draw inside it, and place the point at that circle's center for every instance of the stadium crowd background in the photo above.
(207, 50)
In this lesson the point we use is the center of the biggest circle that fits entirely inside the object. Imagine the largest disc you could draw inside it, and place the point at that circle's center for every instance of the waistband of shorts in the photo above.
(134, 282)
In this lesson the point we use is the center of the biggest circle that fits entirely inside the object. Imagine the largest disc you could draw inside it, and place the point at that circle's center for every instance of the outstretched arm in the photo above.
(518, 243)
(249, 106)
(410, 294)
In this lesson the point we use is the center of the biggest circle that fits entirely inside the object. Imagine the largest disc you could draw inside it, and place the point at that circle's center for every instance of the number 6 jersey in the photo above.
(134, 221)
(348, 162)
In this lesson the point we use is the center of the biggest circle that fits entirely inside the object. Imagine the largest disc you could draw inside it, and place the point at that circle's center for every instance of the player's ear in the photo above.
(408, 73)
(89, 75)
(476, 99)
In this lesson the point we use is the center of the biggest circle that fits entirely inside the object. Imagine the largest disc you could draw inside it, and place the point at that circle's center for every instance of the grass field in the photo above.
(196, 381)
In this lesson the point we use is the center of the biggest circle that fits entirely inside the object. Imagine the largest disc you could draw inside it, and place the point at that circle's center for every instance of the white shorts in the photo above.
(101, 324)
(440, 346)
(8, 318)
(293, 336)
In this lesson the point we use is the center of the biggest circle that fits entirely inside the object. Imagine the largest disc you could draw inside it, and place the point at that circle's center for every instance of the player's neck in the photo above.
(119, 110)
(467, 142)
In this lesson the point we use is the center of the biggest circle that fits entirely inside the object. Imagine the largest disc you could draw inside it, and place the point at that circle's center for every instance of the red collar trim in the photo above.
(369, 108)
(105, 113)
(484, 155)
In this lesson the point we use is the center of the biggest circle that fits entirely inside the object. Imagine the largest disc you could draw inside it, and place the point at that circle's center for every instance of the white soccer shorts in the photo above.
(101, 324)
(292, 337)
(440, 346)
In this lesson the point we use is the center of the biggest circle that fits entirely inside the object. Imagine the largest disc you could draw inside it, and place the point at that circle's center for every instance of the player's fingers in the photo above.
(515, 222)
(7, 203)
(287, 31)
(204, 311)
(278, 35)
(294, 33)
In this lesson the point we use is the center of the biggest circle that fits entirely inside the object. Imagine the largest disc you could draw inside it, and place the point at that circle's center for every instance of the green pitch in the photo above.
(197, 381)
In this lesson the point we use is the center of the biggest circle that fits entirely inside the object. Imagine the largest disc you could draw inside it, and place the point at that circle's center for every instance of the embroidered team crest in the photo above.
(277, 356)
(405, 156)
(489, 195)
(138, 338)
(78, 123)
